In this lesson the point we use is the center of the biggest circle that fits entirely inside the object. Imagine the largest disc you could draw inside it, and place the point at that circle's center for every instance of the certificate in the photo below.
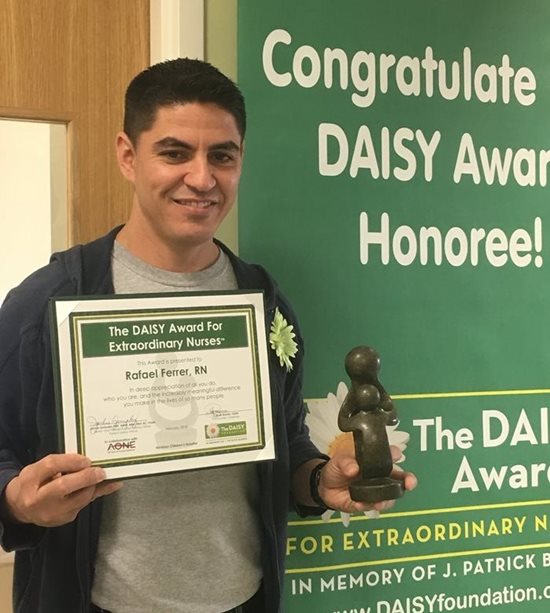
(160, 383)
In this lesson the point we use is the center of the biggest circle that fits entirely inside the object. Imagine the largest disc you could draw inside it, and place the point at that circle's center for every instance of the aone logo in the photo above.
(121, 445)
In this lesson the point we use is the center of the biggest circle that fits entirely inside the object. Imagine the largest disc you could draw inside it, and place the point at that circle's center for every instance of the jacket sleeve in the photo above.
(301, 448)
(21, 373)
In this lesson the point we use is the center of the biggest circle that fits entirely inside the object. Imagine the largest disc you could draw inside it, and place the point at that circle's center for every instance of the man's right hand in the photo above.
(52, 491)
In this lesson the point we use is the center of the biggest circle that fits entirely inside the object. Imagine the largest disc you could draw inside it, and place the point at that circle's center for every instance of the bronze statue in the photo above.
(366, 411)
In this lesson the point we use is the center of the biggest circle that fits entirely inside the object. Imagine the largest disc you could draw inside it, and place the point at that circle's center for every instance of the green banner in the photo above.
(146, 335)
(396, 187)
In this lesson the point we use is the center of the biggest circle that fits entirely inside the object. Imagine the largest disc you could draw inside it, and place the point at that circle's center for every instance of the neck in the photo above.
(179, 256)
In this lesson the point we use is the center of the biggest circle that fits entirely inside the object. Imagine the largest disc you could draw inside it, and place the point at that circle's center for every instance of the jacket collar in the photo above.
(251, 277)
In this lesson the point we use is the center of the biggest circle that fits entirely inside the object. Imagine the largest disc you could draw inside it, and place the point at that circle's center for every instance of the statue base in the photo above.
(376, 489)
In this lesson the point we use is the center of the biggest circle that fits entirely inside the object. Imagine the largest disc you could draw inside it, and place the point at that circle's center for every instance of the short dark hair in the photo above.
(179, 81)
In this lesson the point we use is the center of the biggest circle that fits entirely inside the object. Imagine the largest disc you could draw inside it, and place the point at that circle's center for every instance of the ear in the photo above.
(126, 156)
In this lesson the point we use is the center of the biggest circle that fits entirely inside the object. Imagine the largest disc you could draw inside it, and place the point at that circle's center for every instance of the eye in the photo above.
(222, 157)
(173, 155)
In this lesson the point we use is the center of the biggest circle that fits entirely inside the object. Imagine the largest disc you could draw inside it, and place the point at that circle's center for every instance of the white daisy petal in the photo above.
(398, 437)
(372, 514)
(320, 432)
(341, 392)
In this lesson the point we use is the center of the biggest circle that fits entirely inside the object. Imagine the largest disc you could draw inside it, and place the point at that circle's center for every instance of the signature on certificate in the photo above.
(111, 422)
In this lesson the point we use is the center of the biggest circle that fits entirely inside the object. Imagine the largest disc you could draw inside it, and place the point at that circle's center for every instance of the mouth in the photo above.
(194, 203)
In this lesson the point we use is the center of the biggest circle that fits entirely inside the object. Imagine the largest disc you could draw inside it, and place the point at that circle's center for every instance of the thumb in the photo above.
(345, 465)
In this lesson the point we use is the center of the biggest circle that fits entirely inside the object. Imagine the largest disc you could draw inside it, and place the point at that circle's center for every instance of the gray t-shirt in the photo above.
(185, 542)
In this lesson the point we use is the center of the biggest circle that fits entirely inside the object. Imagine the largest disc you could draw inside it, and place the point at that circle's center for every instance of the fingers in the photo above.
(60, 511)
(52, 491)
(361, 507)
(409, 479)
(81, 498)
(341, 465)
(104, 489)
(396, 454)
(335, 480)
(46, 468)
(73, 482)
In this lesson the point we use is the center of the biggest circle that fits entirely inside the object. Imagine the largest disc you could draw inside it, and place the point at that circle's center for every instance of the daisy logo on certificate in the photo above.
(322, 420)
(212, 431)
(232, 429)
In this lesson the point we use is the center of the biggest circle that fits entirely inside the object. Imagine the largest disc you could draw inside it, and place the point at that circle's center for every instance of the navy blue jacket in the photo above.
(54, 567)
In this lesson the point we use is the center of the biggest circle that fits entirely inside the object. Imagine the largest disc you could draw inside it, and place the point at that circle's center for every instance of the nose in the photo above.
(199, 175)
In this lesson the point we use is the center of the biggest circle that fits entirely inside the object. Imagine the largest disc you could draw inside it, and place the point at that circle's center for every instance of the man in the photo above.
(198, 541)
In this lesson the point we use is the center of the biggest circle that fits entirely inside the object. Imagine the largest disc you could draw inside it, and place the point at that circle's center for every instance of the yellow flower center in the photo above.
(343, 443)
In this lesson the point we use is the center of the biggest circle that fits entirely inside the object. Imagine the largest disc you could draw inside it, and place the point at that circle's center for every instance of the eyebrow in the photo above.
(170, 141)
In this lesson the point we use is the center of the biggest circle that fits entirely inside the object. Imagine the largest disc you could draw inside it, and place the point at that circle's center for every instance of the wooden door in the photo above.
(70, 61)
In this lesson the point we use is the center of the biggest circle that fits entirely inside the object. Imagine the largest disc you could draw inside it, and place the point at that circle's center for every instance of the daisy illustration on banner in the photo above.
(322, 420)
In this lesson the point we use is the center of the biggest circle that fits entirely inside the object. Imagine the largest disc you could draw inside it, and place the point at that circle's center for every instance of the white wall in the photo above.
(26, 188)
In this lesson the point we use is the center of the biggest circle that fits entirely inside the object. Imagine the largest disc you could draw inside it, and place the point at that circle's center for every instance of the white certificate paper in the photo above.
(155, 384)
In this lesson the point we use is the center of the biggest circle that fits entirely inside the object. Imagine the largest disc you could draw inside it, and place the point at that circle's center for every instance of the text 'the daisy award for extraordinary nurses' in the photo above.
(366, 411)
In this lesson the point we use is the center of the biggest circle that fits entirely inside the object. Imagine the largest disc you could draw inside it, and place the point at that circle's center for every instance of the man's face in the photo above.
(185, 170)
